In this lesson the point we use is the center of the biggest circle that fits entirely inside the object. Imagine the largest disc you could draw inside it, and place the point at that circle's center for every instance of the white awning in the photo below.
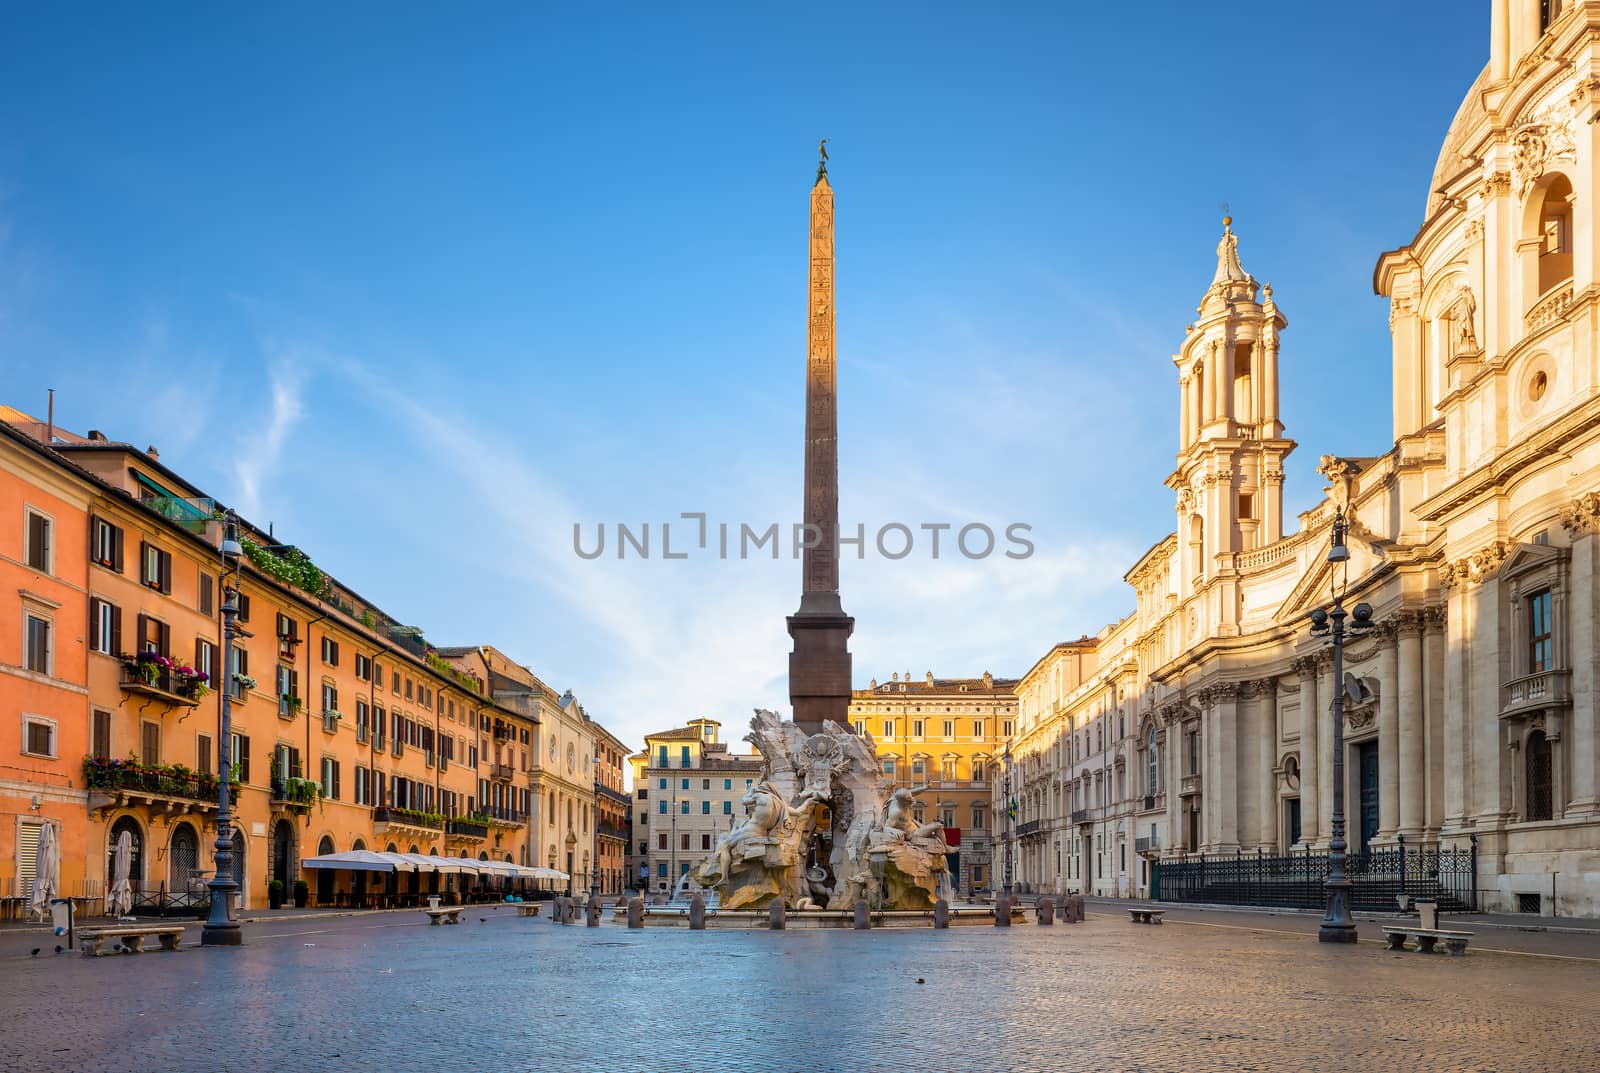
(363, 860)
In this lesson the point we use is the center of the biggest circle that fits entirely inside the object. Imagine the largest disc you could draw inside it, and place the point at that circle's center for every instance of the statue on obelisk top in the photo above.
(819, 666)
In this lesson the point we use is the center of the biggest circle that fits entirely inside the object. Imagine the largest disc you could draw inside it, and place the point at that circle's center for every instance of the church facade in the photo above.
(1201, 724)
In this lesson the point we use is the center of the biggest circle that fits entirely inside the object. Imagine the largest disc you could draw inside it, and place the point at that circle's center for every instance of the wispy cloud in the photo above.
(259, 456)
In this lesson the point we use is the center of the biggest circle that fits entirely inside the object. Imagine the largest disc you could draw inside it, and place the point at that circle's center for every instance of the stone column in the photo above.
(1226, 786)
(1266, 724)
(1210, 771)
(1490, 771)
(1413, 730)
(1458, 755)
(1225, 386)
(1433, 718)
(1310, 727)
(1388, 733)
(1324, 716)
(1184, 382)
(1170, 778)
(1583, 627)
(1269, 390)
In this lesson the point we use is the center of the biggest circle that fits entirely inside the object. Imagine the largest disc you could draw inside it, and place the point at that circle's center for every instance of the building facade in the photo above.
(614, 807)
(349, 731)
(944, 737)
(688, 791)
(1472, 716)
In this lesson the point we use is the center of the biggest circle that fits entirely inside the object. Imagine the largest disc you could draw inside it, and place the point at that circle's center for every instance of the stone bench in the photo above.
(92, 943)
(1455, 942)
(444, 915)
(1146, 916)
(528, 909)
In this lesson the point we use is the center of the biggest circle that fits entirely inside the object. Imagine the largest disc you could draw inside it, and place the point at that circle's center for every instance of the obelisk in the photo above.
(819, 666)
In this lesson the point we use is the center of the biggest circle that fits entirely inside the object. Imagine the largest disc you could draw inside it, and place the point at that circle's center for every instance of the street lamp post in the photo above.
(594, 835)
(221, 929)
(1337, 925)
(1005, 792)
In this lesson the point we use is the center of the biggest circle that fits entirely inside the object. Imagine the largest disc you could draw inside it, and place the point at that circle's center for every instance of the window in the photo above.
(364, 672)
(150, 743)
(947, 771)
(40, 552)
(330, 698)
(860, 727)
(1005, 728)
(239, 755)
(106, 545)
(977, 728)
(100, 735)
(363, 786)
(888, 728)
(1192, 752)
(1539, 637)
(685, 809)
(661, 869)
(207, 594)
(661, 840)
(240, 668)
(36, 652)
(288, 686)
(1247, 505)
(705, 808)
(949, 728)
(105, 628)
(330, 653)
(980, 771)
(408, 688)
(663, 784)
(1549, 12)
(705, 841)
(288, 634)
(727, 808)
(727, 784)
(685, 784)
(918, 770)
(661, 807)
(916, 728)
(683, 761)
(244, 607)
(330, 778)
(155, 567)
(979, 814)
(39, 736)
(1152, 771)
(888, 766)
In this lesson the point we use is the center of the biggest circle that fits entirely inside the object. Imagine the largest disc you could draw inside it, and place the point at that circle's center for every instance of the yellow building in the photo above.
(945, 735)
(688, 791)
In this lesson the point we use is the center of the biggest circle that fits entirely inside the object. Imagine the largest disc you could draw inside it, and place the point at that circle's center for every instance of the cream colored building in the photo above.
(688, 789)
(944, 735)
(1202, 722)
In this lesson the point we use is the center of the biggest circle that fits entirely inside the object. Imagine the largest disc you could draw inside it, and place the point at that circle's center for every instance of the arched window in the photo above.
(1152, 765)
(1197, 545)
(1540, 804)
(185, 856)
(325, 846)
(1555, 234)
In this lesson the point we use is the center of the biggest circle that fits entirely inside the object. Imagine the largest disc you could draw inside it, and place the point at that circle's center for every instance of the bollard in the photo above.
(1069, 910)
(697, 913)
(941, 914)
(591, 915)
(1047, 913)
(777, 916)
(863, 916)
(1079, 906)
(1002, 912)
(636, 912)
(569, 911)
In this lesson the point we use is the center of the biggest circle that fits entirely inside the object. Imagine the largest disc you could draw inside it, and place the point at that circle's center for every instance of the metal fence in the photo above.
(1295, 881)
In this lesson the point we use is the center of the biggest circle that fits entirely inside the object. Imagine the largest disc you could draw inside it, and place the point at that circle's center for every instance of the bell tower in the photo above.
(1231, 446)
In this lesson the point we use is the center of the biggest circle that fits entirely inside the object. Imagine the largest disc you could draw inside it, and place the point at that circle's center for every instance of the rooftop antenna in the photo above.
(50, 419)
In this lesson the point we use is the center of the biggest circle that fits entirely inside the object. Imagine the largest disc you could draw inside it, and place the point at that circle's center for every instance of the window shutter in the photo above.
(166, 571)
(336, 789)
(294, 761)
(94, 624)
(203, 751)
(102, 735)
(144, 563)
(244, 608)
(244, 662)
(144, 632)
(116, 630)
(164, 638)
(294, 685)
(206, 605)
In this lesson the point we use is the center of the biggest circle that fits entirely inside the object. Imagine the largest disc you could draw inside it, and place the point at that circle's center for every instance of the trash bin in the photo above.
(60, 916)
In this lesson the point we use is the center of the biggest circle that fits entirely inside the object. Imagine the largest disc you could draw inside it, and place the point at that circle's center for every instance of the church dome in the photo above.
(1450, 164)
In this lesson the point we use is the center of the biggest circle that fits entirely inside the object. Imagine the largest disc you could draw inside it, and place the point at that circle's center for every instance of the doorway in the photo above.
(1293, 824)
(325, 875)
(1367, 793)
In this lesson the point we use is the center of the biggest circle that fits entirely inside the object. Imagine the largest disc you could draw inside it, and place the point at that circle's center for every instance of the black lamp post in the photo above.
(221, 929)
(1337, 925)
(1005, 793)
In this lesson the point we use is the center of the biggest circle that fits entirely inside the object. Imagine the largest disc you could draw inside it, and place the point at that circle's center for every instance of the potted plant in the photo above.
(302, 893)
(275, 894)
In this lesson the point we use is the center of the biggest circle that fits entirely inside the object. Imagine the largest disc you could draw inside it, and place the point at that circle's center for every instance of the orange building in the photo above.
(348, 730)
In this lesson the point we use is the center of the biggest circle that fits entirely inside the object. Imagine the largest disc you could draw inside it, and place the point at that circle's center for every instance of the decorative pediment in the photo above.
(1525, 558)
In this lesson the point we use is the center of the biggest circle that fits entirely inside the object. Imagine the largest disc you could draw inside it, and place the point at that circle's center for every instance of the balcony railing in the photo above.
(611, 830)
(500, 815)
(466, 829)
(1030, 828)
(1147, 802)
(1080, 815)
(153, 680)
(408, 817)
(1190, 786)
(1546, 689)
(1147, 845)
(501, 771)
(119, 778)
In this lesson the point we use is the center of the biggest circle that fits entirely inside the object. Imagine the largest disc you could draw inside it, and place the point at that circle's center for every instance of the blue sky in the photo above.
(425, 288)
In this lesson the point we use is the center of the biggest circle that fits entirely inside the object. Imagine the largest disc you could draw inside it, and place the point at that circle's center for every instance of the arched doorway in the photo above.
(135, 855)
(358, 882)
(325, 875)
(184, 858)
(239, 868)
(414, 880)
(281, 867)
(1540, 777)
(391, 880)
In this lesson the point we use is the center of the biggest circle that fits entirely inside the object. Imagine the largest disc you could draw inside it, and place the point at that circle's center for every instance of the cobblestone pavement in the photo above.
(389, 992)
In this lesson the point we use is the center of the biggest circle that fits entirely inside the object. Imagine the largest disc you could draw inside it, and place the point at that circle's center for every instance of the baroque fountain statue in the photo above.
(822, 829)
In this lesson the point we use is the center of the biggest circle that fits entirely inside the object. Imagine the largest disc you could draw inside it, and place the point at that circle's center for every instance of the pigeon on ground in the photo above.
(35, 952)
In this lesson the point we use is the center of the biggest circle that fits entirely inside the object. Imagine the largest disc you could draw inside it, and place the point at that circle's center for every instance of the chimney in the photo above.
(96, 436)
(988, 680)
(152, 452)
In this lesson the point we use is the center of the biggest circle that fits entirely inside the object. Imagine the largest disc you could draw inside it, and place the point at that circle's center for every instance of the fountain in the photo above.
(823, 830)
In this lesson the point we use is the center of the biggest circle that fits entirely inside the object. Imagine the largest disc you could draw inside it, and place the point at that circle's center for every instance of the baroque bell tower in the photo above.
(1231, 447)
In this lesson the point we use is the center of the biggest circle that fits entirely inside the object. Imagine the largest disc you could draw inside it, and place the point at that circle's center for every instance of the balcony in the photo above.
(168, 789)
(1032, 827)
(162, 684)
(611, 830)
(1080, 815)
(407, 821)
(1147, 846)
(1535, 692)
(503, 772)
(1190, 786)
(503, 816)
(470, 829)
(295, 795)
(1147, 803)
